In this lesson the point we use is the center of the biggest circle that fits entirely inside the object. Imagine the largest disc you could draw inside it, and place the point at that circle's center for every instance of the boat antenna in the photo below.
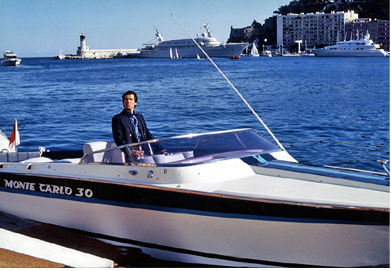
(229, 82)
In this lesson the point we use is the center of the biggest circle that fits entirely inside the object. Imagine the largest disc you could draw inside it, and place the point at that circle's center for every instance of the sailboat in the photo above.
(198, 56)
(60, 56)
(171, 53)
(176, 53)
(254, 50)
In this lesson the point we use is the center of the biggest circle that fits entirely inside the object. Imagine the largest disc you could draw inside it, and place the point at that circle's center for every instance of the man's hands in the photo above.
(137, 154)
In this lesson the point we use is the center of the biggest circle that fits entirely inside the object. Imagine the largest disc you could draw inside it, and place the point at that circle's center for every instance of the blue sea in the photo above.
(324, 111)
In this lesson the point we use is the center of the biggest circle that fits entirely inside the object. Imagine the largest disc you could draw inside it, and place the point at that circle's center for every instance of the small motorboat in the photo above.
(228, 198)
(10, 59)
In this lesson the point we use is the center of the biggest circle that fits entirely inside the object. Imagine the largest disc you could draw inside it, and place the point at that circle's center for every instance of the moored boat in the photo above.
(226, 198)
(10, 59)
(186, 48)
(364, 47)
(254, 50)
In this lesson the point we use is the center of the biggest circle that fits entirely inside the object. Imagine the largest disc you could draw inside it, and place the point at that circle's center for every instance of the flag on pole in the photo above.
(14, 140)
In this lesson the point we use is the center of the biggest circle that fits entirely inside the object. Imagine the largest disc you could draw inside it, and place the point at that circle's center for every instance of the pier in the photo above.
(61, 239)
(64, 238)
(84, 52)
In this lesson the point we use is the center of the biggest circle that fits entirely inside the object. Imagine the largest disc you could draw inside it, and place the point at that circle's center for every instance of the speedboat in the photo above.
(186, 48)
(362, 47)
(10, 59)
(226, 198)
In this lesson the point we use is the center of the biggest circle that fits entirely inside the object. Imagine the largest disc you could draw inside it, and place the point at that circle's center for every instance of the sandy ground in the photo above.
(9, 259)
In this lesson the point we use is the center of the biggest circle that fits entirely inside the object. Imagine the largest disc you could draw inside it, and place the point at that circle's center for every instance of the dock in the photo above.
(62, 237)
(72, 239)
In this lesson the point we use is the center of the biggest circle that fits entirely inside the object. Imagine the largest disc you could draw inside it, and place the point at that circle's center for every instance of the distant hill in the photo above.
(374, 9)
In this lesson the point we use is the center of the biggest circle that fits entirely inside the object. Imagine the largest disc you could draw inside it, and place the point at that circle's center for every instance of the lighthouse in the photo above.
(83, 43)
(83, 48)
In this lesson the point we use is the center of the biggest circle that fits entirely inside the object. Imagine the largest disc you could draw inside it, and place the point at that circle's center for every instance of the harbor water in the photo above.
(324, 111)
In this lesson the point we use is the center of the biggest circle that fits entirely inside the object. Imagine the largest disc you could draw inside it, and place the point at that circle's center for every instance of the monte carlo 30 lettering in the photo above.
(48, 188)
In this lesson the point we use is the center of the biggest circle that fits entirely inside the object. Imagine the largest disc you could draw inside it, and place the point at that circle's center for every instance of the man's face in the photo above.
(129, 102)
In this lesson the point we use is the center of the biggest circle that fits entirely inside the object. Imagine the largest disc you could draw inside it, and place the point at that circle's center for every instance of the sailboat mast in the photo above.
(229, 82)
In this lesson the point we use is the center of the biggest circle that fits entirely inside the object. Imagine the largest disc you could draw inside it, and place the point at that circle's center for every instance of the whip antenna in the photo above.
(229, 82)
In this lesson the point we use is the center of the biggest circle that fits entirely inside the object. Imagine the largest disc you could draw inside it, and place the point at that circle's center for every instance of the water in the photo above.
(325, 111)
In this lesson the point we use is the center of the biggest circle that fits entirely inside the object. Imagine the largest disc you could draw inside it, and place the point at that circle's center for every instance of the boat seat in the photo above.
(114, 156)
(167, 158)
(18, 156)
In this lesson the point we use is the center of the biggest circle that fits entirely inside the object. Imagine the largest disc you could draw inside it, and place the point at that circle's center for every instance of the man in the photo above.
(128, 126)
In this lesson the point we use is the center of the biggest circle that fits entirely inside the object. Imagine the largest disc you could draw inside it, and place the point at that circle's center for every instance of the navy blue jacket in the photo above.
(123, 129)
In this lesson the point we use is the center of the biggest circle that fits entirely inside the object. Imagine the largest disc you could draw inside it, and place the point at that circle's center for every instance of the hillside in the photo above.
(375, 9)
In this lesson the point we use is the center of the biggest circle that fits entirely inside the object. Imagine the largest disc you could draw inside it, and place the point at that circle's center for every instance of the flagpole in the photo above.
(15, 139)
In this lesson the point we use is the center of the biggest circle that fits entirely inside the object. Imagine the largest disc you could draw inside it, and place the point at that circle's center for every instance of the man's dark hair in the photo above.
(130, 92)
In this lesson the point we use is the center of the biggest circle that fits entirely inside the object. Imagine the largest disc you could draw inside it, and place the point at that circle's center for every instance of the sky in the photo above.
(44, 28)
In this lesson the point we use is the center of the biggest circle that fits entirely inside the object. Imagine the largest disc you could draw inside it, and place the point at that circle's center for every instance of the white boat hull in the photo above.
(353, 53)
(364, 47)
(212, 237)
(230, 206)
(11, 62)
(220, 51)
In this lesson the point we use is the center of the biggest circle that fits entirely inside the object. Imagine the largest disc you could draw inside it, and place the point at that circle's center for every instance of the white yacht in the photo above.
(361, 47)
(226, 198)
(186, 48)
(10, 59)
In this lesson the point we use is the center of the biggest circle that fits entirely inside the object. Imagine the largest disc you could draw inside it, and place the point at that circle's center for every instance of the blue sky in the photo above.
(43, 28)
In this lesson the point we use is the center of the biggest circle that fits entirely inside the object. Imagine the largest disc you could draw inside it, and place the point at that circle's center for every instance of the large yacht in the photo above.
(361, 47)
(186, 48)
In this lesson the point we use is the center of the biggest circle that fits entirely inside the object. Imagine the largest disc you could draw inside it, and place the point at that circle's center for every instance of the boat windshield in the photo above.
(184, 150)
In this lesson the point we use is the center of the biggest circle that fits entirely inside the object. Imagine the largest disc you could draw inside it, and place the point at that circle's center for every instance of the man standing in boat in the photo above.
(129, 126)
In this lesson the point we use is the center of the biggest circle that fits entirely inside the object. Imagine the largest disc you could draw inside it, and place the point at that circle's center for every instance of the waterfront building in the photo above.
(379, 30)
(313, 29)
(241, 34)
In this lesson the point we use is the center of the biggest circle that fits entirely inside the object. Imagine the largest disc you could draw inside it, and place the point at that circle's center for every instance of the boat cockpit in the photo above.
(181, 150)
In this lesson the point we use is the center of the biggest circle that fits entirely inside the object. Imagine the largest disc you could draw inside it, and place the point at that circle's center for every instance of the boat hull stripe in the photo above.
(176, 200)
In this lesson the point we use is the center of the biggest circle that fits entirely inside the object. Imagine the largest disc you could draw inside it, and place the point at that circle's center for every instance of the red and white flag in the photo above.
(14, 140)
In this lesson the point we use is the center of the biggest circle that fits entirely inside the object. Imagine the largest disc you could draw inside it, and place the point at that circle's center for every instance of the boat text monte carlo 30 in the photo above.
(226, 198)
(185, 48)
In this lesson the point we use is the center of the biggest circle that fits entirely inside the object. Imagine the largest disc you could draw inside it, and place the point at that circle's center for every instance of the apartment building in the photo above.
(313, 28)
